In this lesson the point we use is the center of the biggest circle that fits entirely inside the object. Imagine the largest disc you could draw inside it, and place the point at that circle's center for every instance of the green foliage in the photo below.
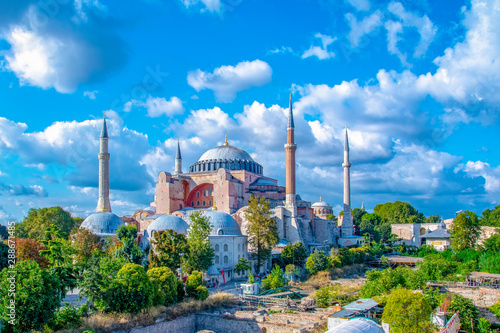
(262, 229)
(381, 282)
(4, 233)
(193, 281)
(467, 312)
(433, 219)
(40, 219)
(495, 308)
(357, 215)
(483, 325)
(317, 262)
(167, 246)
(492, 243)
(68, 317)
(126, 232)
(399, 212)
(435, 267)
(200, 254)
(202, 293)
(84, 243)
(251, 278)
(490, 262)
(36, 296)
(242, 266)
(407, 312)
(491, 217)
(180, 290)
(465, 230)
(130, 251)
(433, 296)
(131, 291)
(292, 271)
(275, 279)
(4, 255)
(165, 284)
(294, 254)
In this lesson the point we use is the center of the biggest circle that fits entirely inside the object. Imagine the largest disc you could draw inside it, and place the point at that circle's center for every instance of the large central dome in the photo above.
(227, 157)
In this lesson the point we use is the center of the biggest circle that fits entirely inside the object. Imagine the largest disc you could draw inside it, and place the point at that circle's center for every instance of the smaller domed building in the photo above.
(322, 209)
(165, 222)
(102, 223)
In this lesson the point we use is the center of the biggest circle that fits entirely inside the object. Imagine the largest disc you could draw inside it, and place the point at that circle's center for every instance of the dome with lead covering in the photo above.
(320, 204)
(226, 157)
(168, 222)
(223, 224)
(102, 223)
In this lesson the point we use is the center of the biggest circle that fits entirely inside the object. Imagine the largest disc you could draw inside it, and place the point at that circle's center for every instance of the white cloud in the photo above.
(394, 29)
(363, 5)
(209, 123)
(226, 81)
(158, 106)
(210, 5)
(321, 51)
(364, 27)
(281, 50)
(90, 94)
(491, 177)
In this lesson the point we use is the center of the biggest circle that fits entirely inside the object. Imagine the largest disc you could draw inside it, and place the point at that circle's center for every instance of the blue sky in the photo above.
(416, 82)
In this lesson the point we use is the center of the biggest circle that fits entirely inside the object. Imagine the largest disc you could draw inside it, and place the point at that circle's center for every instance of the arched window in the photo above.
(226, 259)
(198, 194)
(210, 202)
(216, 247)
(198, 203)
(216, 259)
(220, 232)
(204, 203)
(192, 203)
(239, 247)
(226, 248)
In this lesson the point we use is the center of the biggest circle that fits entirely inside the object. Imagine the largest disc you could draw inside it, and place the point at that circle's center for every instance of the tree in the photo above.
(129, 249)
(357, 215)
(294, 254)
(38, 220)
(407, 312)
(167, 246)
(4, 233)
(29, 249)
(465, 231)
(242, 266)
(433, 219)
(275, 279)
(317, 262)
(491, 217)
(36, 297)
(200, 254)
(131, 291)
(399, 212)
(194, 286)
(4, 255)
(84, 243)
(467, 312)
(262, 229)
(165, 284)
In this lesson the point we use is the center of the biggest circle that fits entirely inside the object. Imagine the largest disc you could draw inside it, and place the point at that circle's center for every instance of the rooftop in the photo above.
(363, 304)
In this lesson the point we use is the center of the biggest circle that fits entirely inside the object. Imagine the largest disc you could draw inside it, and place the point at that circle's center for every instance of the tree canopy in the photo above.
(167, 246)
(40, 219)
(491, 217)
(465, 231)
(262, 229)
(200, 254)
(294, 254)
(399, 212)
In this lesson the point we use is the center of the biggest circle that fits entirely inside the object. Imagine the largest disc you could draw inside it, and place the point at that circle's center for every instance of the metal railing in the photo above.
(461, 284)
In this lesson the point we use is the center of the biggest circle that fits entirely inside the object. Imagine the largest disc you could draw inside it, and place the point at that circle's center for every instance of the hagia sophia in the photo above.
(220, 184)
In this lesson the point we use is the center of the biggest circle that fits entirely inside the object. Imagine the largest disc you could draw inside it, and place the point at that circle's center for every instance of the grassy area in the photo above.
(101, 322)
(327, 278)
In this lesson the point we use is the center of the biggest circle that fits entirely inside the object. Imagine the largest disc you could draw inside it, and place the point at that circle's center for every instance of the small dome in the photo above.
(320, 204)
(223, 224)
(101, 223)
(225, 153)
(168, 222)
(150, 209)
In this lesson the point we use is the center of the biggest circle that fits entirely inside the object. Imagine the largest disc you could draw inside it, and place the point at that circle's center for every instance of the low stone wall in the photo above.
(182, 324)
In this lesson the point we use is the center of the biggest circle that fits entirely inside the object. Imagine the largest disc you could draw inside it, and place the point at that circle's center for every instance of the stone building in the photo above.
(411, 233)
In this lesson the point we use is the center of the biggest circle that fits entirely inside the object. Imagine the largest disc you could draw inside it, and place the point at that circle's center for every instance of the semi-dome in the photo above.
(227, 157)
(168, 222)
(223, 224)
(102, 223)
(320, 204)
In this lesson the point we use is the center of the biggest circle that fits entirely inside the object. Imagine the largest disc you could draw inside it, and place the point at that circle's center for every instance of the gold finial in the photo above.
(103, 209)
(168, 211)
(214, 207)
(225, 142)
(320, 199)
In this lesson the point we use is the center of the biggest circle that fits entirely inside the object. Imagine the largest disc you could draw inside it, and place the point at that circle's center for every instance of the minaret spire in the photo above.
(347, 222)
(290, 148)
(178, 159)
(103, 201)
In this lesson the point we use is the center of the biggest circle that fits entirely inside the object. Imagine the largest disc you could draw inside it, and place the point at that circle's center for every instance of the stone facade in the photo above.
(410, 232)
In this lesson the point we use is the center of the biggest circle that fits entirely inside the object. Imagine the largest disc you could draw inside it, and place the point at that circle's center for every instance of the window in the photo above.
(197, 194)
(210, 202)
(198, 203)
(239, 247)
(226, 259)
(204, 202)
(192, 203)
(216, 259)
(226, 248)
(220, 232)
(216, 247)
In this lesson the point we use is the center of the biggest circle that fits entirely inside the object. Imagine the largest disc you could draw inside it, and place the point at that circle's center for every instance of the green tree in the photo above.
(194, 286)
(275, 279)
(317, 261)
(131, 291)
(467, 312)
(465, 231)
(357, 215)
(399, 212)
(435, 267)
(262, 229)
(167, 247)
(294, 254)
(4, 255)
(84, 243)
(491, 217)
(4, 233)
(129, 248)
(407, 312)
(200, 254)
(242, 266)
(36, 297)
(165, 284)
(433, 219)
(40, 219)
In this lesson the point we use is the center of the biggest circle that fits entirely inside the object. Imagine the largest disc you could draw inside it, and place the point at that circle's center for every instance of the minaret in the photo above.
(347, 223)
(178, 160)
(103, 202)
(290, 148)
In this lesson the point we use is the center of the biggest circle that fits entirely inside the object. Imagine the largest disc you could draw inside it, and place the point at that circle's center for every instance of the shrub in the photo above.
(202, 293)
(317, 262)
(275, 279)
(467, 311)
(495, 308)
(165, 284)
(193, 281)
(68, 317)
(381, 282)
(407, 311)
(180, 290)
(251, 278)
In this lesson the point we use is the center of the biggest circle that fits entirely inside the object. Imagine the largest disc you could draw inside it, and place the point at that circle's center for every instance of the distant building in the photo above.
(411, 233)
(439, 238)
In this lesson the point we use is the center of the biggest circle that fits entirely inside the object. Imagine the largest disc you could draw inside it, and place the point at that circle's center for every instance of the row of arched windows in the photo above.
(214, 166)
(217, 260)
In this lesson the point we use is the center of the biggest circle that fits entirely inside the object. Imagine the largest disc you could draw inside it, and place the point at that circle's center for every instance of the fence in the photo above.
(460, 284)
(266, 301)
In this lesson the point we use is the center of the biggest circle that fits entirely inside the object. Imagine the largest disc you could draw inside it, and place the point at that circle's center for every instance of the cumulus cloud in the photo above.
(18, 190)
(157, 106)
(363, 27)
(226, 81)
(321, 52)
(90, 94)
(62, 45)
(363, 5)
(210, 5)
(490, 175)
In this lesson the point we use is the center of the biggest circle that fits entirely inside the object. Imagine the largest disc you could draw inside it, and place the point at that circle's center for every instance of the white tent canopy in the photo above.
(357, 325)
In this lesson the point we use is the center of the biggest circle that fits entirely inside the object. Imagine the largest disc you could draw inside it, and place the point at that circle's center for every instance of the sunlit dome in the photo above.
(223, 224)
(102, 223)
(168, 222)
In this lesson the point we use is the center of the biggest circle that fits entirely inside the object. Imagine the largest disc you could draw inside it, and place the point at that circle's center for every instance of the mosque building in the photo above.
(225, 177)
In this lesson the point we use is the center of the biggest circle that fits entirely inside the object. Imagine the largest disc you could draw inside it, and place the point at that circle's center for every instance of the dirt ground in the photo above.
(482, 298)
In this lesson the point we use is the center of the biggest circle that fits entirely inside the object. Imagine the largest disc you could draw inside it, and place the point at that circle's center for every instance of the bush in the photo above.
(165, 284)
(337, 293)
(467, 312)
(193, 281)
(495, 308)
(202, 293)
(407, 311)
(180, 290)
(68, 317)
(275, 279)
(381, 282)
(251, 278)
(317, 262)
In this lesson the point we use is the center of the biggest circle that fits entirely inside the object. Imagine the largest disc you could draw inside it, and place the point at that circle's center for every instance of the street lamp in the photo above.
(180, 269)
